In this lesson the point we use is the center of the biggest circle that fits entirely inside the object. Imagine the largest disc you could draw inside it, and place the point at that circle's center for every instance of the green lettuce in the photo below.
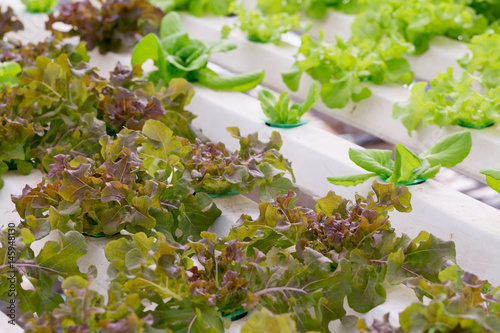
(341, 67)
(264, 28)
(407, 167)
(176, 55)
(449, 101)
(279, 112)
(197, 7)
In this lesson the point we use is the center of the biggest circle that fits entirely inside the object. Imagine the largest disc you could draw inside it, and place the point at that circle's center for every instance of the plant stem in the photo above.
(384, 262)
(279, 289)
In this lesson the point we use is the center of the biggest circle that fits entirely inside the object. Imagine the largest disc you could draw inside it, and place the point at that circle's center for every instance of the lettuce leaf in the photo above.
(176, 55)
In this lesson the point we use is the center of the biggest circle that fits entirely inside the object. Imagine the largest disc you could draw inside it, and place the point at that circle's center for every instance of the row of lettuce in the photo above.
(290, 265)
(383, 33)
(123, 161)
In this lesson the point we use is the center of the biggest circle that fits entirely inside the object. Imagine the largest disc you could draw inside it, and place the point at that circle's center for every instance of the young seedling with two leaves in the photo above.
(407, 167)
(176, 55)
(279, 112)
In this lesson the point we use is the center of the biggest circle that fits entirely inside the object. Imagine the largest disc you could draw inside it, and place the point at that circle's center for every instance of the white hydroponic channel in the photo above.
(315, 153)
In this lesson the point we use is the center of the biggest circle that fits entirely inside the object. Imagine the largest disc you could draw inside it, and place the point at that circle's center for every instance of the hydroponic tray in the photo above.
(315, 154)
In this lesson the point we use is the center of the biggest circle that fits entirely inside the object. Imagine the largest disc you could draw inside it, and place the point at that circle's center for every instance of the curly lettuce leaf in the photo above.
(110, 25)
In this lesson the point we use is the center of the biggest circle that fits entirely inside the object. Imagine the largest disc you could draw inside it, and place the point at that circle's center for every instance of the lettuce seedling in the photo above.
(176, 55)
(492, 178)
(341, 67)
(485, 58)
(264, 28)
(449, 101)
(280, 113)
(39, 6)
(197, 7)
(407, 166)
(417, 21)
(315, 9)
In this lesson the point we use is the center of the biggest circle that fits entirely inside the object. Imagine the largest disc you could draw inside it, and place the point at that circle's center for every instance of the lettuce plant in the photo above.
(226, 278)
(9, 21)
(129, 101)
(417, 21)
(39, 6)
(459, 301)
(356, 237)
(211, 168)
(110, 25)
(85, 307)
(449, 101)
(176, 55)
(407, 167)
(113, 191)
(471, 100)
(162, 185)
(484, 60)
(264, 28)
(279, 112)
(197, 7)
(61, 106)
(489, 8)
(315, 9)
(46, 106)
(26, 54)
(341, 67)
